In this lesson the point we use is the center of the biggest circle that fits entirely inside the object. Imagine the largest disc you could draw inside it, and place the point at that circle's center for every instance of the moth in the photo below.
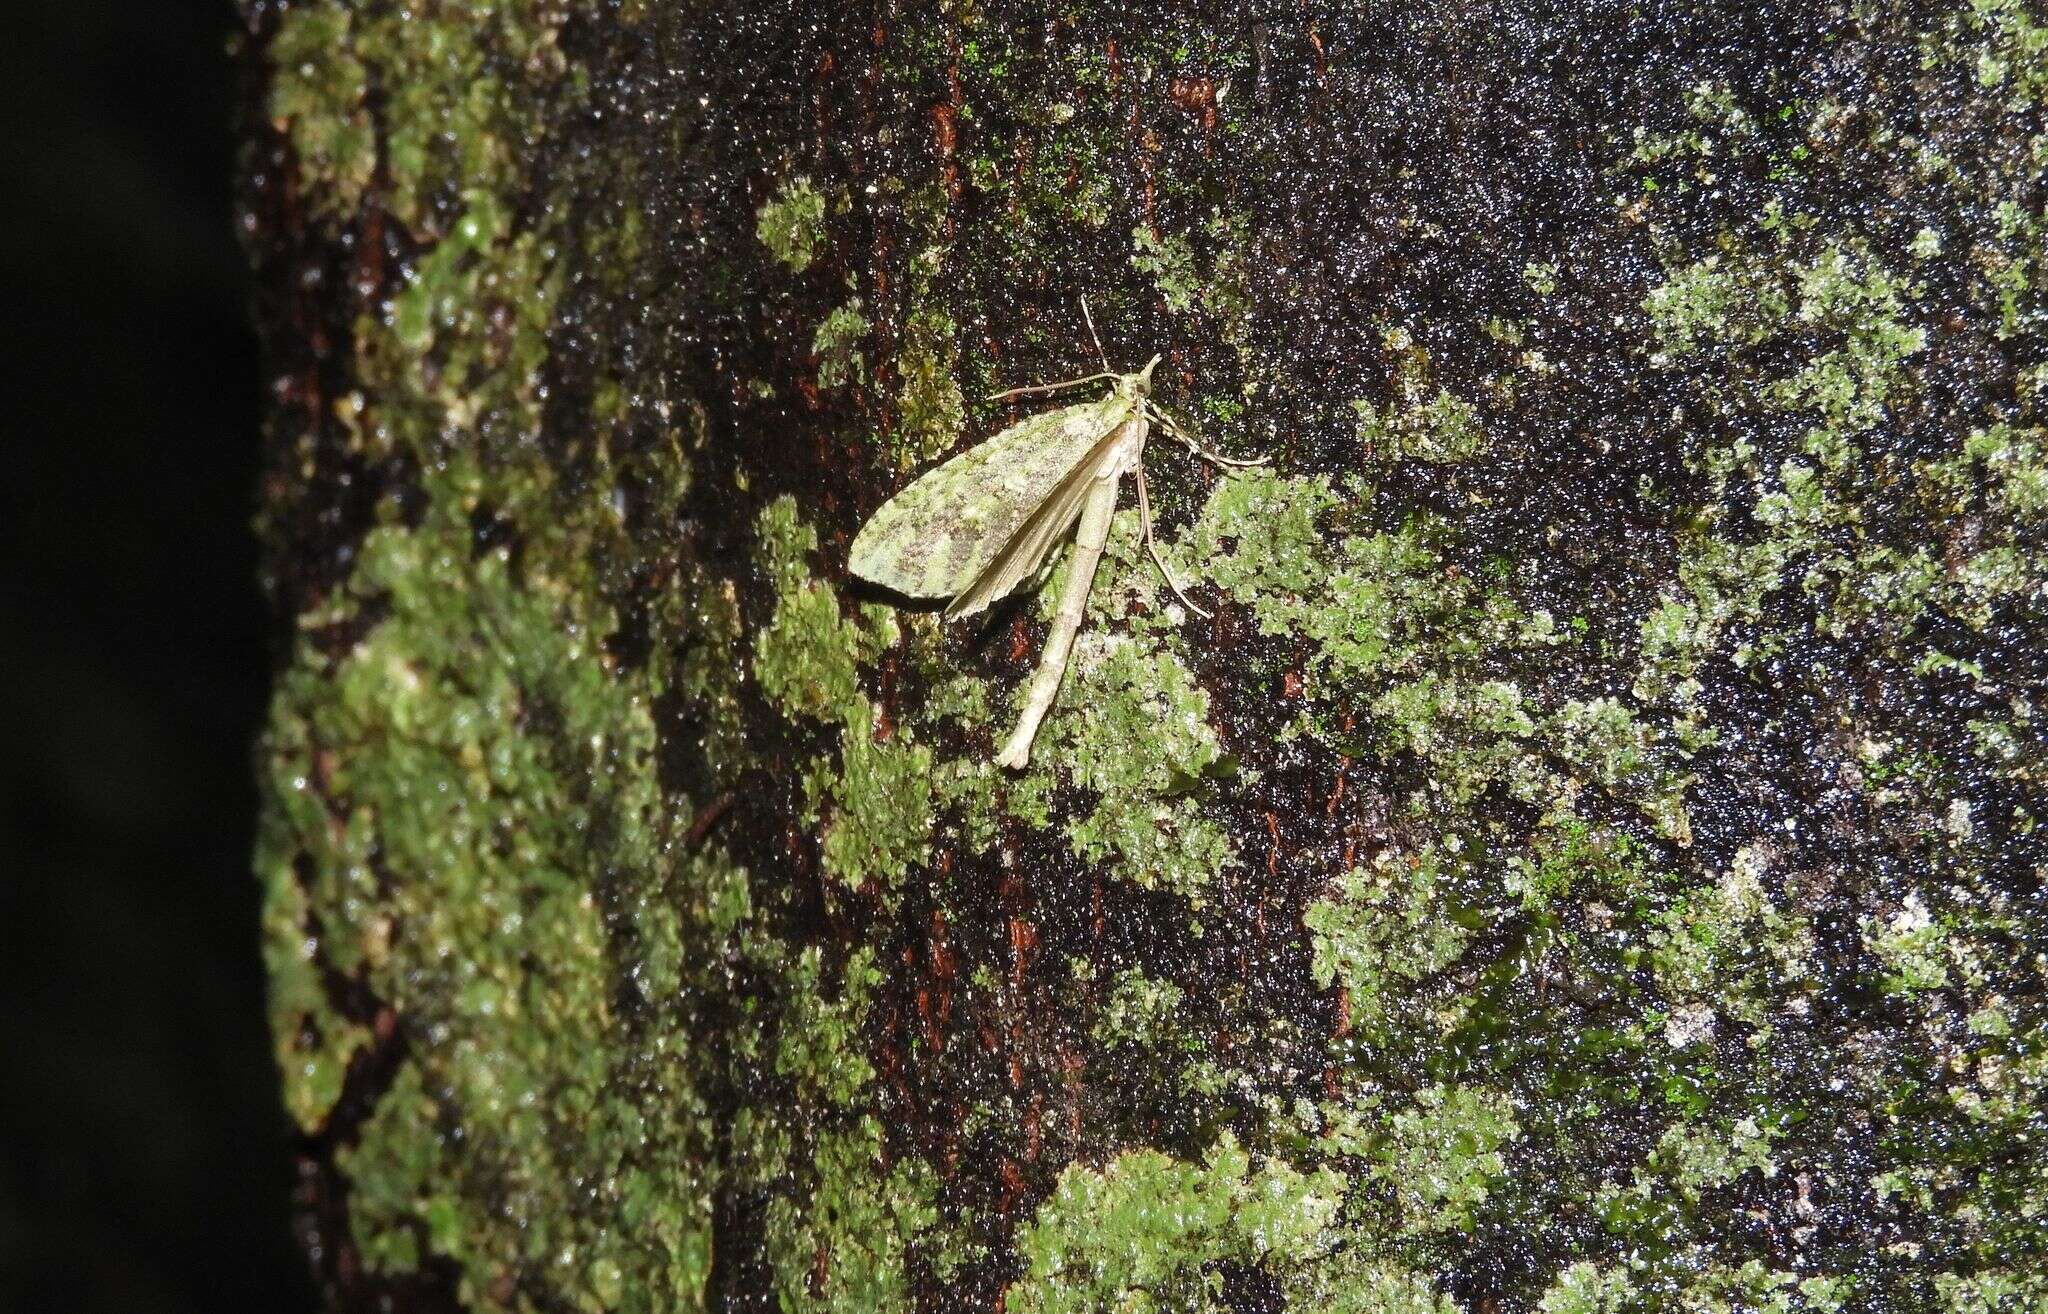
(975, 527)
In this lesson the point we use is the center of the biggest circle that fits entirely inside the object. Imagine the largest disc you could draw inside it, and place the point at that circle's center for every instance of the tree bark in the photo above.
(1589, 861)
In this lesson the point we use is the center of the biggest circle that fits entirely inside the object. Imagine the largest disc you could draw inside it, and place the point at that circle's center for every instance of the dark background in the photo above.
(145, 1164)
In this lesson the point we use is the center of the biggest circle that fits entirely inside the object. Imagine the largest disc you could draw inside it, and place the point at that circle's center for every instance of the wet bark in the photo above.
(1588, 860)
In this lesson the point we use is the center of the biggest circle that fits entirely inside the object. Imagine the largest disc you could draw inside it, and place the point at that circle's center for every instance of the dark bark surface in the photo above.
(1589, 860)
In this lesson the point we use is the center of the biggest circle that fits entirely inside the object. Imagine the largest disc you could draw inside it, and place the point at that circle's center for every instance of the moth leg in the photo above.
(1050, 387)
(1180, 435)
(1089, 540)
(1145, 513)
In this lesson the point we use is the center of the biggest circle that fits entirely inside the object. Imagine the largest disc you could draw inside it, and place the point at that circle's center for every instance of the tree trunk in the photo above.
(1589, 860)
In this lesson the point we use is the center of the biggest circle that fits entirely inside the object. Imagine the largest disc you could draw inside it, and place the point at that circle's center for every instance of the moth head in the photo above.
(1139, 386)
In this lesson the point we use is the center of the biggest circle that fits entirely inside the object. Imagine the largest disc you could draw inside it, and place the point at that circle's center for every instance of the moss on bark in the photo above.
(1590, 861)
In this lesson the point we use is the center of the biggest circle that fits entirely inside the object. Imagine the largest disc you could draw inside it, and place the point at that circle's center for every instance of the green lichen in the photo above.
(440, 787)
(1848, 387)
(1473, 731)
(848, 1246)
(1223, 293)
(1442, 430)
(468, 747)
(1362, 600)
(1523, 1000)
(1692, 1285)
(1433, 1162)
(703, 671)
(318, 94)
(1381, 931)
(808, 654)
(1729, 949)
(1070, 180)
(1144, 746)
(875, 800)
(1170, 263)
(1540, 277)
(1139, 1011)
(1803, 503)
(1912, 948)
(877, 804)
(1137, 695)
(478, 307)
(1696, 1159)
(446, 119)
(837, 347)
(1148, 1232)
(1153, 1233)
(1993, 1292)
(842, 1229)
(1843, 290)
(1570, 856)
(466, 331)
(2010, 57)
(934, 409)
(1387, 624)
(792, 224)
(1423, 422)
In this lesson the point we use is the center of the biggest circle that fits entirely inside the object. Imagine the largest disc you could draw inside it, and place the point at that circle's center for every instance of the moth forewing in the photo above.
(936, 537)
(1028, 547)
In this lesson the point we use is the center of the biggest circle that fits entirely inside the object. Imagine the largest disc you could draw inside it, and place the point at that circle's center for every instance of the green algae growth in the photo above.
(1590, 862)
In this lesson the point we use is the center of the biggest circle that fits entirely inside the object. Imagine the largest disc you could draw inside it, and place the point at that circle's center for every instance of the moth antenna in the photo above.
(1050, 387)
(1180, 435)
(1100, 354)
(1145, 514)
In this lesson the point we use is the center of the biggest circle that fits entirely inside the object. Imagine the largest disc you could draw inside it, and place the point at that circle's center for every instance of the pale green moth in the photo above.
(974, 528)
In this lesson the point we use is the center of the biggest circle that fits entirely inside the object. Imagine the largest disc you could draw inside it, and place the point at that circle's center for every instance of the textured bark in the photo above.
(1589, 861)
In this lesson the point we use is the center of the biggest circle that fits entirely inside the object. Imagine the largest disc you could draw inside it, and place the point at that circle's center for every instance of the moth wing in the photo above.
(1046, 526)
(936, 537)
